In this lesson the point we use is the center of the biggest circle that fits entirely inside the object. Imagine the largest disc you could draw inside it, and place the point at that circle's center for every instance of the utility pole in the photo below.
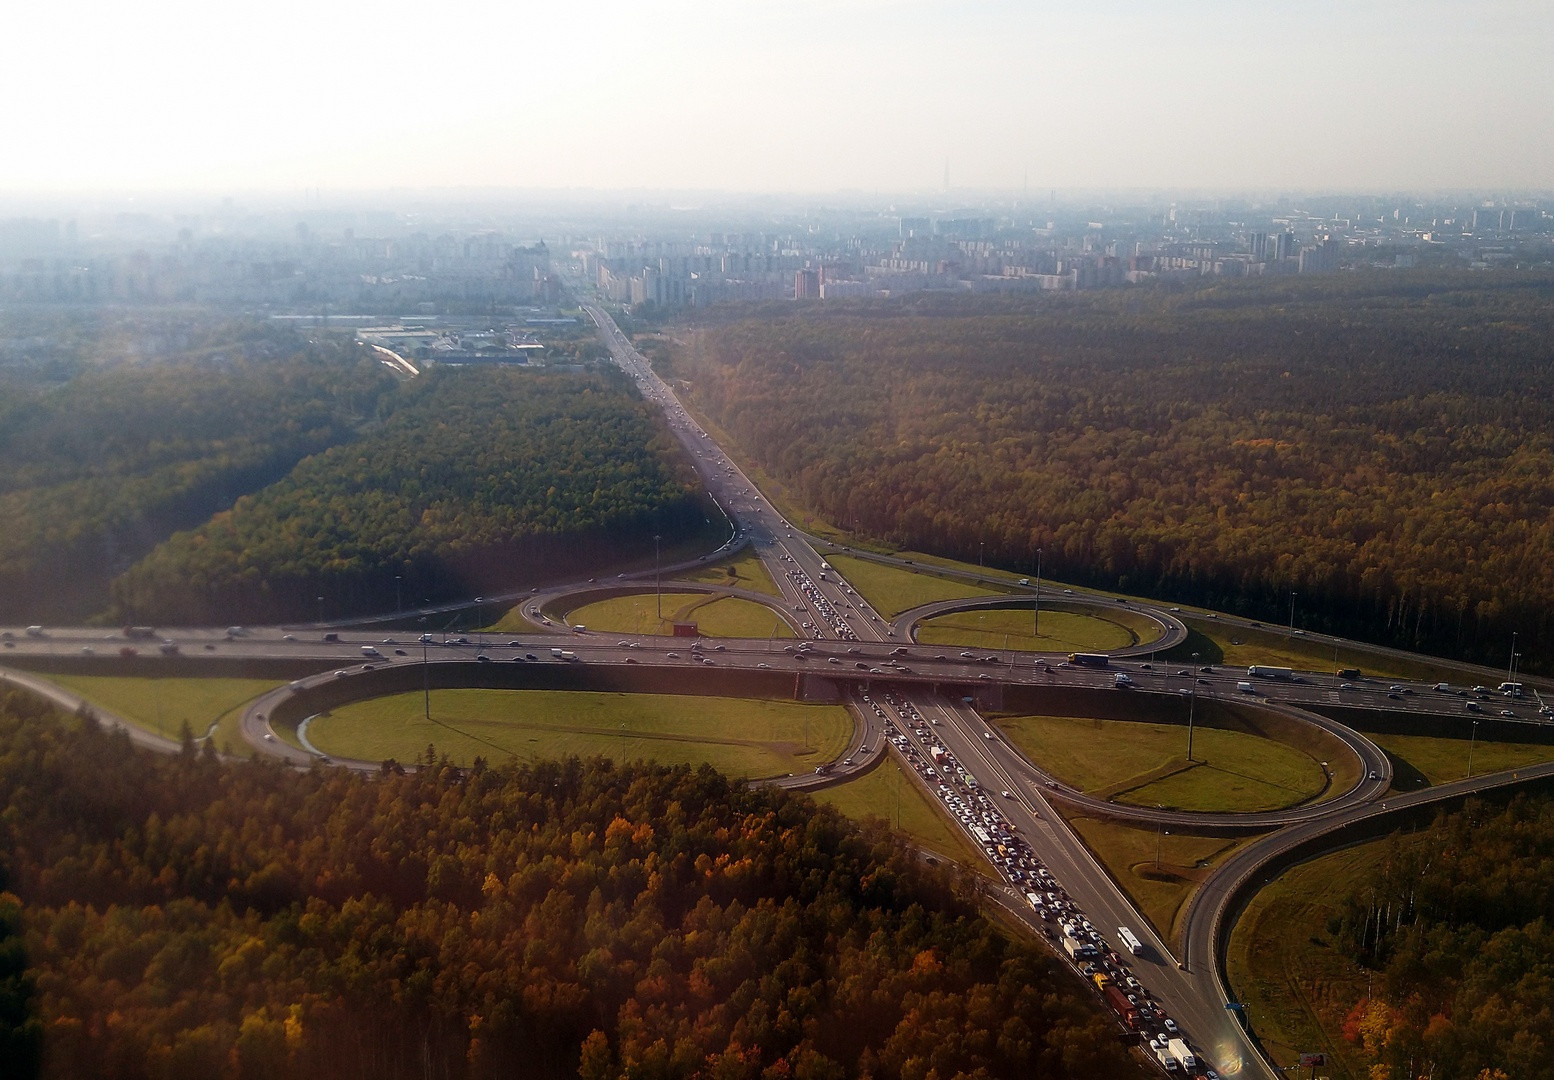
(658, 584)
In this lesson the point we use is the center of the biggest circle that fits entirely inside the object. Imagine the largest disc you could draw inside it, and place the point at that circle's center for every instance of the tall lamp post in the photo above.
(1471, 740)
(658, 585)
(1037, 627)
(1192, 703)
(1292, 611)
(426, 672)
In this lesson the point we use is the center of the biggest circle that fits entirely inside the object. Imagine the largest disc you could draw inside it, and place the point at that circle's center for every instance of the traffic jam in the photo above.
(830, 618)
(1064, 923)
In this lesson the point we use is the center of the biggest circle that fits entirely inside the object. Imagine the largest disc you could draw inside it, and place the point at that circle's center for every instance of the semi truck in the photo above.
(1180, 1051)
(1126, 1011)
(1265, 671)
(1090, 659)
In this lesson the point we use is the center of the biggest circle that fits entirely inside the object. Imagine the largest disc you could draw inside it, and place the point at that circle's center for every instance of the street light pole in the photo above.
(426, 672)
(1192, 703)
(1510, 670)
(658, 585)
(399, 594)
(1471, 740)
(1292, 611)
(1037, 627)
(321, 615)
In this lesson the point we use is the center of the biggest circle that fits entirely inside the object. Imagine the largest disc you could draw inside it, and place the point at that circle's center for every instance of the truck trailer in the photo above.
(1265, 671)
(1126, 1011)
(1180, 1051)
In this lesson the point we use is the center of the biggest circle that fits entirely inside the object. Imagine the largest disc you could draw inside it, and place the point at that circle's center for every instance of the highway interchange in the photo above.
(917, 701)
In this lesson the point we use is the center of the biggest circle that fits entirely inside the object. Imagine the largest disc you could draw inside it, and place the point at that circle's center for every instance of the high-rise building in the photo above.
(806, 284)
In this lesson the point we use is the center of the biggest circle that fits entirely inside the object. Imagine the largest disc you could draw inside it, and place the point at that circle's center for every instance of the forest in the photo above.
(475, 480)
(183, 916)
(102, 456)
(1379, 445)
(1456, 923)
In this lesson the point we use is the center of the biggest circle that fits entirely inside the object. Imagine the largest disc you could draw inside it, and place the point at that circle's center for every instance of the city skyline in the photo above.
(800, 97)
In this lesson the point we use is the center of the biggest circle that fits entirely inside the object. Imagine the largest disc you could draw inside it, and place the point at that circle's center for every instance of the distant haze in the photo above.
(784, 95)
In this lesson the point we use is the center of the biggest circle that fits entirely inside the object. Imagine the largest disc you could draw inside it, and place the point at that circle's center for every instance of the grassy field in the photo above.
(744, 572)
(1297, 985)
(1440, 761)
(1145, 764)
(1061, 631)
(1157, 889)
(740, 736)
(1241, 646)
(164, 705)
(893, 590)
(716, 616)
(888, 792)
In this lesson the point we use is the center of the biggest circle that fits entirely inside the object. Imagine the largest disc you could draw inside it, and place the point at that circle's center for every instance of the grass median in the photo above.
(888, 792)
(1014, 628)
(165, 704)
(1145, 764)
(739, 736)
(745, 571)
(714, 615)
(1157, 868)
(894, 589)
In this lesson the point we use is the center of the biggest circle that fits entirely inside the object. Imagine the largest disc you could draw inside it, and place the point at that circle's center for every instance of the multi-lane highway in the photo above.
(909, 699)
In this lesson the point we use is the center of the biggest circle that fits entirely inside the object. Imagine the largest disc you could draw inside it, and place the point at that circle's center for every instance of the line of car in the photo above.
(980, 817)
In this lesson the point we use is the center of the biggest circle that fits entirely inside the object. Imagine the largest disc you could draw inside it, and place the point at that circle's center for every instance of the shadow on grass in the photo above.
(1404, 776)
(1207, 649)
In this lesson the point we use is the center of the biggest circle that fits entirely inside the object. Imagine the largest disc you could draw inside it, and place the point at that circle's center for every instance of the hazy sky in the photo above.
(792, 95)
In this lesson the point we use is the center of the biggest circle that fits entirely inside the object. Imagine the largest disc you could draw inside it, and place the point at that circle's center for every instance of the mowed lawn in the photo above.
(1061, 631)
(164, 704)
(1145, 764)
(888, 792)
(1443, 760)
(1158, 889)
(714, 616)
(1297, 983)
(739, 736)
(745, 572)
(892, 590)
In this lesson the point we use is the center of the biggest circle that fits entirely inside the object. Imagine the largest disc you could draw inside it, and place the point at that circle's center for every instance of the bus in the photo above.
(1090, 659)
(1130, 941)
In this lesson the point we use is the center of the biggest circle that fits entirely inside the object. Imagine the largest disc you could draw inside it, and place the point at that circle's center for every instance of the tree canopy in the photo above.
(1381, 444)
(99, 467)
(185, 916)
(477, 479)
(1456, 919)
